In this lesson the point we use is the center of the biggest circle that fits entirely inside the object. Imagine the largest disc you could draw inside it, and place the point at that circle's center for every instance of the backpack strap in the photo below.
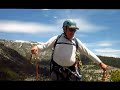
(51, 62)
(76, 42)
(57, 40)
(66, 43)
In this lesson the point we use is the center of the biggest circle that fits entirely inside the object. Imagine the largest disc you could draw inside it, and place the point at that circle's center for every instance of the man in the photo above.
(63, 61)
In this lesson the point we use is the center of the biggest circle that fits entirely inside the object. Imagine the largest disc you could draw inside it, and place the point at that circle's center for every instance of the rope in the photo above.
(105, 75)
(36, 58)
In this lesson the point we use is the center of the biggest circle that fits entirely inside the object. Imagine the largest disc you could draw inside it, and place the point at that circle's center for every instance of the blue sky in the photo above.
(99, 28)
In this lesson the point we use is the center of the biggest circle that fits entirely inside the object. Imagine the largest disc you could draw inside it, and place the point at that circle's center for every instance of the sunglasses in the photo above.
(72, 30)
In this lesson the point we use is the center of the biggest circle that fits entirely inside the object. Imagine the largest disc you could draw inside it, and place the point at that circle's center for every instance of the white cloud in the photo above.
(102, 44)
(108, 52)
(25, 27)
(105, 43)
(104, 48)
(45, 9)
(84, 25)
(90, 44)
(32, 27)
(55, 17)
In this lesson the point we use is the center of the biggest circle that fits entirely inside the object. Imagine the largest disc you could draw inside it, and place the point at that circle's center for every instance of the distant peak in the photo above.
(22, 41)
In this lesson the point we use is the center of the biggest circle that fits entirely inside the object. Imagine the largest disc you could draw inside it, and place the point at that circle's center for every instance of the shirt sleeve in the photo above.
(84, 50)
(47, 45)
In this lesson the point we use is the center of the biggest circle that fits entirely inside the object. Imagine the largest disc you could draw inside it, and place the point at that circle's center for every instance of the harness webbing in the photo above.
(67, 43)
(76, 42)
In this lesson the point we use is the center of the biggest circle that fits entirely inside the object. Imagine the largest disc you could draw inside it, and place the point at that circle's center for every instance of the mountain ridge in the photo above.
(15, 55)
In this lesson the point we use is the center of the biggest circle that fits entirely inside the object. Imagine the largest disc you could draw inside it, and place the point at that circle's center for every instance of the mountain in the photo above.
(15, 62)
(15, 59)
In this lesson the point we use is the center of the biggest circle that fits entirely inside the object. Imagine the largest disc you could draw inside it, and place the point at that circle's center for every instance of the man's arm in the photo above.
(84, 50)
(44, 46)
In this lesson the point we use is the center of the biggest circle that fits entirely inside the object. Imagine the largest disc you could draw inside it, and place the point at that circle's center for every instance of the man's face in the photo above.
(70, 32)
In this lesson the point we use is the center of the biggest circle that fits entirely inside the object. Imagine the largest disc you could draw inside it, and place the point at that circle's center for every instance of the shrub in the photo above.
(8, 74)
(115, 76)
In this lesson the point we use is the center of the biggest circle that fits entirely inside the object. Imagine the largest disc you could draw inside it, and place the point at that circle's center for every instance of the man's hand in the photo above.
(34, 50)
(105, 71)
(103, 66)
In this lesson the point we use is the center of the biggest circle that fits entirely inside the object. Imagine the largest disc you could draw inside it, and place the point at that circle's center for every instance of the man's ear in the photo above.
(64, 29)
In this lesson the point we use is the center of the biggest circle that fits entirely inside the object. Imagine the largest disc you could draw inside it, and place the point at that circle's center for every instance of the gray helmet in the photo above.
(70, 24)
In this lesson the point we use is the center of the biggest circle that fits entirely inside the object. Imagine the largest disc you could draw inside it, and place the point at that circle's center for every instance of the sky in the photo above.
(98, 28)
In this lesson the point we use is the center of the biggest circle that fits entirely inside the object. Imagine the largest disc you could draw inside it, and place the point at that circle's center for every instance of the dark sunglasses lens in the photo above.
(72, 30)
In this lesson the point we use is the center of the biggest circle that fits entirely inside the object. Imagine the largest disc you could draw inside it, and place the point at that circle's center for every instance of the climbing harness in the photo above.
(66, 73)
